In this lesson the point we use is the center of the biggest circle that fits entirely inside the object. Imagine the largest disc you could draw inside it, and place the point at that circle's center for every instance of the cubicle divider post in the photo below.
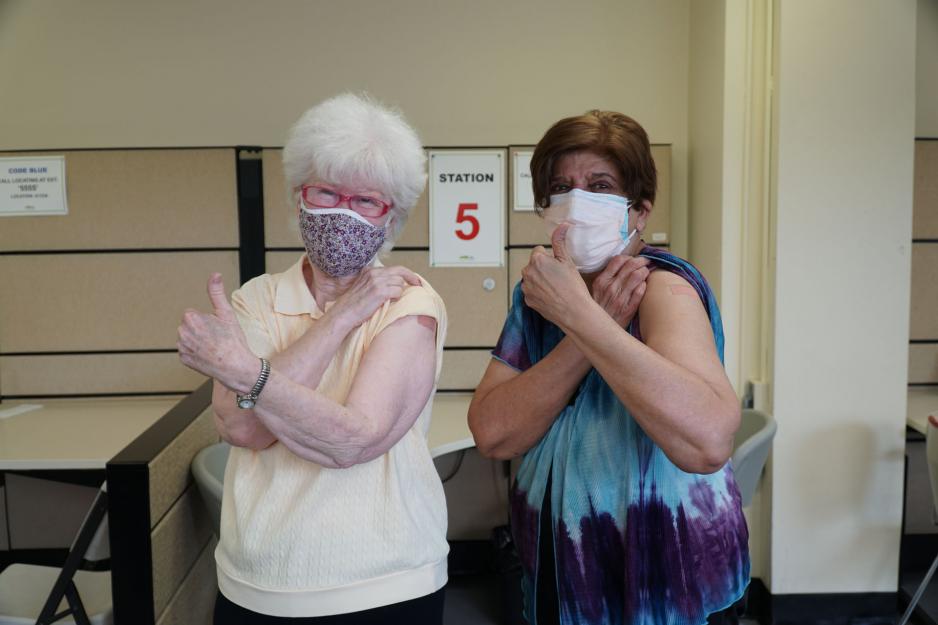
(250, 212)
(140, 500)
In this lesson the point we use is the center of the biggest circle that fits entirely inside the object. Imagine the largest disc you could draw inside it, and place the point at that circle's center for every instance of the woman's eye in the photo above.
(370, 202)
(559, 188)
(600, 186)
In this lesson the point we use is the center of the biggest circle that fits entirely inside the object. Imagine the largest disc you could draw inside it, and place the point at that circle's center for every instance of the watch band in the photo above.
(248, 401)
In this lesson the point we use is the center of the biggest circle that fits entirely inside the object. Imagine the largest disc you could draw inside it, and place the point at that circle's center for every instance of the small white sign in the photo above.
(32, 186)
(467, 208)
(521, 181)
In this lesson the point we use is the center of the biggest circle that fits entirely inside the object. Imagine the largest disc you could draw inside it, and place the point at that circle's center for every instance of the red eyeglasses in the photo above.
(323, 197)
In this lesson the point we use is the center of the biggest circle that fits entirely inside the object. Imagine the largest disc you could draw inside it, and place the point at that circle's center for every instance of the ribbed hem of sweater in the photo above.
(363, 595)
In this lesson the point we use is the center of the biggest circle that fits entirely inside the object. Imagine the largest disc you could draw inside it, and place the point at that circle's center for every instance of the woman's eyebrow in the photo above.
(601, 174)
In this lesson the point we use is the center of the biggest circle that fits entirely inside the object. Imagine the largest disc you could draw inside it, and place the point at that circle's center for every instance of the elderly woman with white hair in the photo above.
(324, 375)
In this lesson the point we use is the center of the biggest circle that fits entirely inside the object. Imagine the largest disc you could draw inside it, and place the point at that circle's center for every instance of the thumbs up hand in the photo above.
(214, 343)
(551, 283)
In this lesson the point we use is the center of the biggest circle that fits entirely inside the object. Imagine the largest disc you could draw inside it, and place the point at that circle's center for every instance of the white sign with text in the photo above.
(32, 186)
(467, 208)
(521, 181)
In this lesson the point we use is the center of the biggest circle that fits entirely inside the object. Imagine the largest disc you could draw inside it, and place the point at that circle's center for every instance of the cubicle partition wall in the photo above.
(162, 543)
(923, 333)
(920, 535)
(91, 299)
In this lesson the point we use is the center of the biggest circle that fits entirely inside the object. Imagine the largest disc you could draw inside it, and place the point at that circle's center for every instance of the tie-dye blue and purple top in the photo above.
(636, 540)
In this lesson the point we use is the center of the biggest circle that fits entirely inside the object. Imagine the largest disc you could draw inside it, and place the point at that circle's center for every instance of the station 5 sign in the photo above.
(467, 208)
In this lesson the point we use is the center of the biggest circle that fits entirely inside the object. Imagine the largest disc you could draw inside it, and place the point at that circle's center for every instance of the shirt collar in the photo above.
(293, 296)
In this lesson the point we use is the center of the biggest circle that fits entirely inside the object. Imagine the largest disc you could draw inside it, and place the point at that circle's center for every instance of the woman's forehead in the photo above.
(350, 186)
(583, 164)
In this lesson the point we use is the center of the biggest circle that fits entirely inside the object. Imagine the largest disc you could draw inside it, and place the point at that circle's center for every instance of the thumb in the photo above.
(558, 241)
(216, 295)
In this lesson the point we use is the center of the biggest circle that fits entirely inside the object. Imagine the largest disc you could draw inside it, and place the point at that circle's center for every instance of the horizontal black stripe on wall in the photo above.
(97, 395)
(133, 149)
(924, 240)
(93, 352)
(118, 250)
(466, 348)
(923, 342)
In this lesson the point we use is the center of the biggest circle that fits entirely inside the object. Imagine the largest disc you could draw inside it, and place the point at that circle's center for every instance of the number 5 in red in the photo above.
(462, 217)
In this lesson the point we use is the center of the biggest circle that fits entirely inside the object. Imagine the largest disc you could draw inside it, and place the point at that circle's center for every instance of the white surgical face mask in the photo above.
(599, 226)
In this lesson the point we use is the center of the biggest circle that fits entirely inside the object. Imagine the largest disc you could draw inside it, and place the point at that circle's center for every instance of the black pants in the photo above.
(422, 610)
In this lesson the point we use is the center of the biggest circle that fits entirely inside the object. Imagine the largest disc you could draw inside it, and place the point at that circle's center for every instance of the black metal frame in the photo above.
(64, 586)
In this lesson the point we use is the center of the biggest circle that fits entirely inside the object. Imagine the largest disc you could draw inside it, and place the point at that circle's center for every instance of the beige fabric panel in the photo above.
(925, 202)
(83, 302)
(277, 262)
(176, 544)
(169, 474)
(475, 315)
(517, 259)
(96, 373)
(923, 363)
(658, 228)
(924, 321)
(194, 601)
(462, 369)
(527, 228)
(280, 227)
(136, 199)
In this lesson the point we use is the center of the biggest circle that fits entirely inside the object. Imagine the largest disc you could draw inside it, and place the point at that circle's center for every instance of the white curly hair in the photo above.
(351, 138)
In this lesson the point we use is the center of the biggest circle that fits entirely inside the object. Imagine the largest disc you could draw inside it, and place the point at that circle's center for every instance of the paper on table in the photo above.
(15, 410)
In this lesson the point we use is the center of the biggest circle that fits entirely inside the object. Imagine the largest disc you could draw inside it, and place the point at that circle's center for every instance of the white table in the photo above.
(86, 433)
(923, 401)
(72, 433)
(449, 427)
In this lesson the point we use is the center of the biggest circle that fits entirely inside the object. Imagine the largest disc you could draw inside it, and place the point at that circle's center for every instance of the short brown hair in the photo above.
(613, 135)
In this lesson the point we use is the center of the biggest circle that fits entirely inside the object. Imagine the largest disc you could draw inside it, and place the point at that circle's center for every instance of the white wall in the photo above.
(845, 126)
(705, 139)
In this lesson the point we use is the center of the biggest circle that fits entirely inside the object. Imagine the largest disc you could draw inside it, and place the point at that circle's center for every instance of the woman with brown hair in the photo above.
(608, 382)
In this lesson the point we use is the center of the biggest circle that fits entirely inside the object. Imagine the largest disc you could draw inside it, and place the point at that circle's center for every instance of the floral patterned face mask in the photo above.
(338, 240)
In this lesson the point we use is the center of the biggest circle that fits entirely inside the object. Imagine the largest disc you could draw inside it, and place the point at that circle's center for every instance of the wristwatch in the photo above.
(247, 401)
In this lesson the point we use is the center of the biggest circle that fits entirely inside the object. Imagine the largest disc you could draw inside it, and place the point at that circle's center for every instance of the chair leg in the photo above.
(918, 592)
(74, 602)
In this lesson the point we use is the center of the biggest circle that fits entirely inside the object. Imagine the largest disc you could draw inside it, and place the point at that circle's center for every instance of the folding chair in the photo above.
(931, 456)
(74, 593)
(751, 450)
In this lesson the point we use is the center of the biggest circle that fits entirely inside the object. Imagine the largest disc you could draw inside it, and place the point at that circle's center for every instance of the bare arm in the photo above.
(511, 411)
(674, 384)
(304, 362)
(215, 344)
(391, 387)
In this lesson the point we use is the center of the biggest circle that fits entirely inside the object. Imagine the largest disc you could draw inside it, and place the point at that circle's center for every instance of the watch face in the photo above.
(245, 402)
